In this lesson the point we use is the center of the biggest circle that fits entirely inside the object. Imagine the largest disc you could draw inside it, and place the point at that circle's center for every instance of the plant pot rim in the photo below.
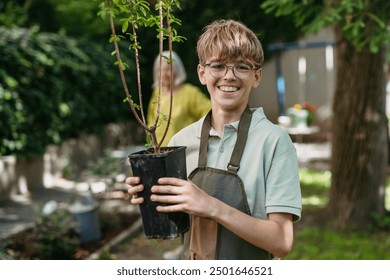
(150, 152)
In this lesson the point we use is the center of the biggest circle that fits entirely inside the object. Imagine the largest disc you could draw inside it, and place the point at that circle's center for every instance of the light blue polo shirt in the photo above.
(268, 167)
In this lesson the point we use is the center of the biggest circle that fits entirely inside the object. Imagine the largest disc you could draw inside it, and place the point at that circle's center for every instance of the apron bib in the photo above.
(208, 239)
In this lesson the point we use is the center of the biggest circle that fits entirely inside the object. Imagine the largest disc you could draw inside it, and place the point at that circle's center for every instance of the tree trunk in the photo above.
(359, 144)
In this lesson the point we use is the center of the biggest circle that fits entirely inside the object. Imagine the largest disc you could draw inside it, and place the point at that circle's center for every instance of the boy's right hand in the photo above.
(134, 188)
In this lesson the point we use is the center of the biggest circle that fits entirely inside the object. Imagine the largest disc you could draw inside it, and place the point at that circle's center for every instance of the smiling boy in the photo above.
(243, 193)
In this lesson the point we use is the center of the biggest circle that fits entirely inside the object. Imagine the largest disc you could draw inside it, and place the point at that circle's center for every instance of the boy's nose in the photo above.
(231, 68)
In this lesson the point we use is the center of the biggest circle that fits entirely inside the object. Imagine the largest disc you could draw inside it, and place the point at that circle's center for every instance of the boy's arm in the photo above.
(274, 235)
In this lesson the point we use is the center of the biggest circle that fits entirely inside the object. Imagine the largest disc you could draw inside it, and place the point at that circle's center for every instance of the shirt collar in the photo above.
(258, 115)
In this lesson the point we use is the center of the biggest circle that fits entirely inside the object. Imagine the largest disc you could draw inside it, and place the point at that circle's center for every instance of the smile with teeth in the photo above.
(228, 88)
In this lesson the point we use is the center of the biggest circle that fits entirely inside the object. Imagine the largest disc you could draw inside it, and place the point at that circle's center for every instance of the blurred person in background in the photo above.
(189, 102)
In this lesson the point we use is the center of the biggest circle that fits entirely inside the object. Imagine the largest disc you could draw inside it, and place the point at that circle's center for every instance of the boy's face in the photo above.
(228, 91)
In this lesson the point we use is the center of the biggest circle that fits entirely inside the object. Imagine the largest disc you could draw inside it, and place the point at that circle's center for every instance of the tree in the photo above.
(133, 15)
(359, 135)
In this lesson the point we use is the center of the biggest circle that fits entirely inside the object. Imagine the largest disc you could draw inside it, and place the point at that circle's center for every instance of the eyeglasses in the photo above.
(240, 70)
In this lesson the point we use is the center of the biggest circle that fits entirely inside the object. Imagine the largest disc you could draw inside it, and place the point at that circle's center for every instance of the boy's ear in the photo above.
(258, 77)
(202, 74)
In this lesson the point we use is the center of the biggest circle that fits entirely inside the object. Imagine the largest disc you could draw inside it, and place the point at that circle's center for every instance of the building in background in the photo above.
(308, 70)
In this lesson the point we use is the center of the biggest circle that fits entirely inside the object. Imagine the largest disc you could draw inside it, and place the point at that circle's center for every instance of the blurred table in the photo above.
(299, 132)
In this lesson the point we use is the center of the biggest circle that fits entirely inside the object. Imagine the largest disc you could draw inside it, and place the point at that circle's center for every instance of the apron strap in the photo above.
(204, 140)
(242, 135)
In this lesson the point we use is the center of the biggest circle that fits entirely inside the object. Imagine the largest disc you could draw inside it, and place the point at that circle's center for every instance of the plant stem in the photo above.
(151, 131)
(122, 75)
(170, 65)
(136, 8)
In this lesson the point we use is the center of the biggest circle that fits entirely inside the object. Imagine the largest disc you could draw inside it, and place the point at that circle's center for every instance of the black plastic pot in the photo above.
(171, 162)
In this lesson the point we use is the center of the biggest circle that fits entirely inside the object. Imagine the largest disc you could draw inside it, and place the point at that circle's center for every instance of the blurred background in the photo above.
(56, 56)
(63, 121)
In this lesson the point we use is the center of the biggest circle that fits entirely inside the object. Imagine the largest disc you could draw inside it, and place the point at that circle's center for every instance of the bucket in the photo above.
(85, 211)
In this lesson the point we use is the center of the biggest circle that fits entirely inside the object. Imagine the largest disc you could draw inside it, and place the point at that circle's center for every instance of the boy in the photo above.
(243, 193)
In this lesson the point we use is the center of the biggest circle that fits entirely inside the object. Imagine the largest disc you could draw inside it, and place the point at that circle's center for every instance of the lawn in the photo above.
(319, 243)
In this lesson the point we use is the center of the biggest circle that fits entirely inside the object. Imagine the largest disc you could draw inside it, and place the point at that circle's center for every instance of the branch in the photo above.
(161, 25)
(171, 77)
(122, 75)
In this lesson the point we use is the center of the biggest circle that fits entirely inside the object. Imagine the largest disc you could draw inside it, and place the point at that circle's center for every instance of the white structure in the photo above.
(309, 75)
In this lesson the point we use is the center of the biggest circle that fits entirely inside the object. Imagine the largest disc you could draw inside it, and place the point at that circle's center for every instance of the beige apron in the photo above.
(208, 239)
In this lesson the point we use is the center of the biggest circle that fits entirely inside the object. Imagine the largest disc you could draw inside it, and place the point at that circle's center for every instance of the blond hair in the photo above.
(229, 40)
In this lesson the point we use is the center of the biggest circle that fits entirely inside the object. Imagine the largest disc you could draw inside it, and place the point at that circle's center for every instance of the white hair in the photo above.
(178, 69)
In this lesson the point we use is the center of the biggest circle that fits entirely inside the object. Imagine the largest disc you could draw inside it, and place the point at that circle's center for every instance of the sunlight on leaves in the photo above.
(314, 200)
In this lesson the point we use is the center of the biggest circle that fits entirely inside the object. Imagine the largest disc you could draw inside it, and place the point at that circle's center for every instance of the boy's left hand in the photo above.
(182, 196)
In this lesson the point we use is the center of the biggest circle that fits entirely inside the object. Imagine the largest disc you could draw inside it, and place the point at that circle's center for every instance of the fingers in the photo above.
(171, 181)
(170, 192)
(166, 191)
(170, 208)
(136, 200)
(132, 181)
(134, 188)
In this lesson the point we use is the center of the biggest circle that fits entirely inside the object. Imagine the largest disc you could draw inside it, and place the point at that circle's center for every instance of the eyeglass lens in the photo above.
(218, 70)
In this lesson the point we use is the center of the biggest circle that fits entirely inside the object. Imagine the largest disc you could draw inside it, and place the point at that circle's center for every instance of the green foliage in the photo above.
(314, 243)
(56, 16)
(315, 179)
(134, 15)
(314, 186)
(105, 255)
(12, 13)
(106, 169)
(53, 88)
(62, 14)
(3, 251)
(56, 236)
(364, 23)
(87, 25)
(382, 222)
(321, 243)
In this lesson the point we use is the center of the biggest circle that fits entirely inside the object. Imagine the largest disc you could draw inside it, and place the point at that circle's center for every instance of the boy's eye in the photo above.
(242, 67)
(217, 66)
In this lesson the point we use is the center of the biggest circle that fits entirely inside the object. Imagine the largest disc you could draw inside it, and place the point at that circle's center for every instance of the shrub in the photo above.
(56, 236)
(53, 88)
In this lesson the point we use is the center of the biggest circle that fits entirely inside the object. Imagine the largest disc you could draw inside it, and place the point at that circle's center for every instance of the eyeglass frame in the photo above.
(233, 68)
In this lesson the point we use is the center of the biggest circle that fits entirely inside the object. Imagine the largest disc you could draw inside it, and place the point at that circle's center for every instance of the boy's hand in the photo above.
(134, 188)
(180, 195)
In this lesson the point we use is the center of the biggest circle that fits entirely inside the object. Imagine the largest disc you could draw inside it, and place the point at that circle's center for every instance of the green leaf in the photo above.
(381, 23)
(125, 26)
